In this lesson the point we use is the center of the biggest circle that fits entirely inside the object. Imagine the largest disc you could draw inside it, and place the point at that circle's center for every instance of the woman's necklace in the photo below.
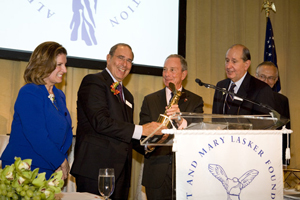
(52, 99)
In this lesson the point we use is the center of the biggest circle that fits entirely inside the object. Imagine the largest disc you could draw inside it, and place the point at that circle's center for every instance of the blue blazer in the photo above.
(40, 131)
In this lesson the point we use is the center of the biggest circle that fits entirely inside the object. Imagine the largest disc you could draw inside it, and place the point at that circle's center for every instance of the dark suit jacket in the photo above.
(157, 164)
(282, 107)
(252, 89)
(104, 130)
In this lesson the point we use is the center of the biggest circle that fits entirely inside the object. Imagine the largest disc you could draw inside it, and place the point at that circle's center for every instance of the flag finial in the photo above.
(267, 6)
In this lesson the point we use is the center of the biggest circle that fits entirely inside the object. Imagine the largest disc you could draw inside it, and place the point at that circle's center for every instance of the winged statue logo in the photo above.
(233, 186)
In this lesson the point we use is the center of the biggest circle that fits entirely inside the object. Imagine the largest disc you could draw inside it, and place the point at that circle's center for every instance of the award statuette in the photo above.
(163, 118)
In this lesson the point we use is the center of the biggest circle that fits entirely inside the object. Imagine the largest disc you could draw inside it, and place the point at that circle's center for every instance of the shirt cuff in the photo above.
(137, 134)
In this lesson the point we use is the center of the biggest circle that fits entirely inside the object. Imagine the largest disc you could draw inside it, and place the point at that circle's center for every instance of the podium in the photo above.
(226, 157)
(198, 121)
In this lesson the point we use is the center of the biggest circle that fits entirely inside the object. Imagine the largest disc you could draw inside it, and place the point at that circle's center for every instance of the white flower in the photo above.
(9, 175)
(24, 165)
(21, 180)
(51, 97)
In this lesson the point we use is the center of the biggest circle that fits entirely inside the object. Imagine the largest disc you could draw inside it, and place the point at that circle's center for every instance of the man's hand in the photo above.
(151, 127)
(172, 110)
(163, 139)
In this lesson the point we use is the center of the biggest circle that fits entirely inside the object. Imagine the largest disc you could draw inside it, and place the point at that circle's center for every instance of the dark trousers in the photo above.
(164, 192)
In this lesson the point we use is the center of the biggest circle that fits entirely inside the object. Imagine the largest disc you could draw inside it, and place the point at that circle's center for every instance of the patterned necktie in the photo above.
(171, 97)
(119, 87)
(229, 99)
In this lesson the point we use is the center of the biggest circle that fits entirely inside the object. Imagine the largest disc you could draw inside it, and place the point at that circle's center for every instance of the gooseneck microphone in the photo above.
(273, 112)
(208, 85)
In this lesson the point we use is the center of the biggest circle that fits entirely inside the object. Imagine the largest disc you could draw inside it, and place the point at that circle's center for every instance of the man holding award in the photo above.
(157, 174)
(106, 133)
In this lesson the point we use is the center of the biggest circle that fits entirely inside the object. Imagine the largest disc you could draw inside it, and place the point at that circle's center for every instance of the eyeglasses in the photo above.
(269, 78)
(129, 61)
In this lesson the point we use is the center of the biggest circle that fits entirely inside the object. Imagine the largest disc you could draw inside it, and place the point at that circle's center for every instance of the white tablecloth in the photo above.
(291, 194)
(77, 196)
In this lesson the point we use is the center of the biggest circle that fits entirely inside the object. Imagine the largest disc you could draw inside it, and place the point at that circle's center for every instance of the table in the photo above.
(77, 196)
(291, 194)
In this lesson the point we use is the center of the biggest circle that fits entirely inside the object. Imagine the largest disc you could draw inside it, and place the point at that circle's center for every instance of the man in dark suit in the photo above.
(105, 131)
(268, 73)
(237, 62)
(157, 174)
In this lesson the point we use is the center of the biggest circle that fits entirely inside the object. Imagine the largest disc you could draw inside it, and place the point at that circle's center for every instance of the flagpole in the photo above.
(267, 6)
(270, 51)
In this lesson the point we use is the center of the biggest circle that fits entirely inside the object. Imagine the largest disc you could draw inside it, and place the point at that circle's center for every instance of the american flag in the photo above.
(270, 51)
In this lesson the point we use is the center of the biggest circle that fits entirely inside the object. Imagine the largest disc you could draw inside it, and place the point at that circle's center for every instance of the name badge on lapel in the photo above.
(128, 104)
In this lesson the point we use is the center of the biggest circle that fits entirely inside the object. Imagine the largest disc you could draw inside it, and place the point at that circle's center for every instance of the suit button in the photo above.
(126, 149)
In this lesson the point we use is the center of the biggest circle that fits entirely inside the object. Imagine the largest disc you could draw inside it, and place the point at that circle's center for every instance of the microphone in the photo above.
(205, 84)
(274, 113)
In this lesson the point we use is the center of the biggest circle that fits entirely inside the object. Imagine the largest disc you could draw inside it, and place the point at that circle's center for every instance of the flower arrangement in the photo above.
(113, 88)
(17, 181)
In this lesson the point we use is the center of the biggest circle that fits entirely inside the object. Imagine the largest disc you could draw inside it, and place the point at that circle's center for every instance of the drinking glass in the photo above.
(106, 182)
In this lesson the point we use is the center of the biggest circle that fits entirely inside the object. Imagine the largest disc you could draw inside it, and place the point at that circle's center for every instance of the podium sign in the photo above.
(229, 164)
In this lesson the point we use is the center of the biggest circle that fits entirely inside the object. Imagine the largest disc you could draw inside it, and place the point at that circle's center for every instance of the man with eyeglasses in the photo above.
(105, 133)
(268, 73)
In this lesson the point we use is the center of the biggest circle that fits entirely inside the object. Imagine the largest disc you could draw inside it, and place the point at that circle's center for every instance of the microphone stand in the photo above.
(273, 112)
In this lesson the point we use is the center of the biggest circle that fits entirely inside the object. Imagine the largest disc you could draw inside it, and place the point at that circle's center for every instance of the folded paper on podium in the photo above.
(197, 121)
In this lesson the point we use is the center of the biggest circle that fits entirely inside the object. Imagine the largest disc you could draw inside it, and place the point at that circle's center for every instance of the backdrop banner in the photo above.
(229, 164)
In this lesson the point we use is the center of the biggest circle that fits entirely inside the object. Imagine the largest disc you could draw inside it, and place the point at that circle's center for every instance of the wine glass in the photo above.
(106, 182)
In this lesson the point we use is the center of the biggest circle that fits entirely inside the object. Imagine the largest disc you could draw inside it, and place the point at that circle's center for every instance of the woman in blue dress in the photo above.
(42, 128)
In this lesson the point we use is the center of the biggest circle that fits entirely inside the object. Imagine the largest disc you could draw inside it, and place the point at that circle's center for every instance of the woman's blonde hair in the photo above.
(42, 62)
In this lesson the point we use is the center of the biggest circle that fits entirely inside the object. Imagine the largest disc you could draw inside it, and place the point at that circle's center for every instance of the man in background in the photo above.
(157, 174)
(239, 81)
(268, 73)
